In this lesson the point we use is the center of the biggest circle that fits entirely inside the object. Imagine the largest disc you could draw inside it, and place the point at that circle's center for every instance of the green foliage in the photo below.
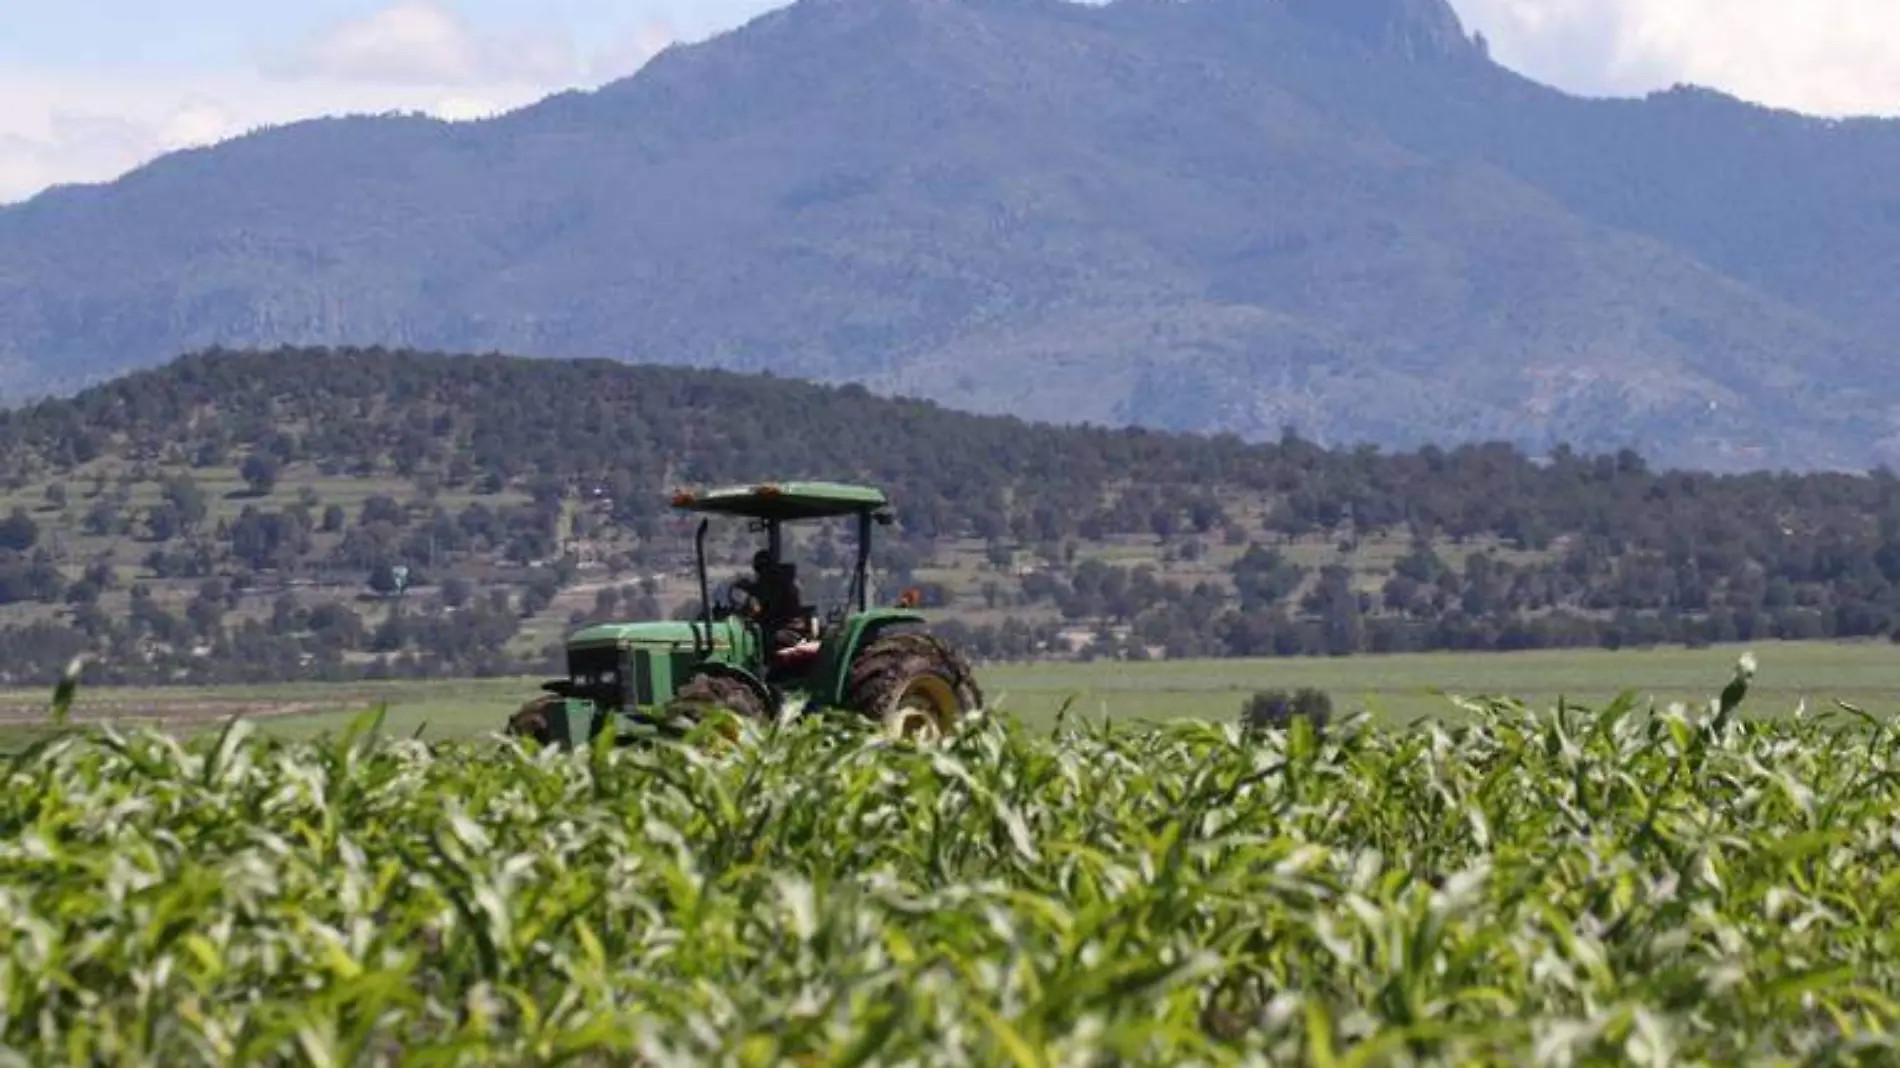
(63, 694)
(18, 532)
(1497, 551)
(260, 473)
(1276, 709)
(1669, 886)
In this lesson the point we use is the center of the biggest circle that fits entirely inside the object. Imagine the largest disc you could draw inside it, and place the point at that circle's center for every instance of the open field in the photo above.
(1397, 689)
(1694, 891)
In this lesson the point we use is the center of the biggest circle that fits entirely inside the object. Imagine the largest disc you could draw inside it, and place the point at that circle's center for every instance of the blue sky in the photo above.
(193, 33)
(91, 88)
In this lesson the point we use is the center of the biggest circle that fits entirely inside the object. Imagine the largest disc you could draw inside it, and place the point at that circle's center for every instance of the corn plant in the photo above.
(1622, 885)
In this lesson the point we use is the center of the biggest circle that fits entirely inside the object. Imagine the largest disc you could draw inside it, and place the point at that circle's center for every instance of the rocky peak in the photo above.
(1413, 29)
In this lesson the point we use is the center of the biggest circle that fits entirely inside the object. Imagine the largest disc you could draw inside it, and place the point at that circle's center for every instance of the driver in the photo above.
(773, 587)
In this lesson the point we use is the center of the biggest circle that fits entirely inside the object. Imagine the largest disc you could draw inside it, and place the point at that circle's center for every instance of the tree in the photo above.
(1264, 577)
(382, 508)
(539, 594)
(454, 591)
(389, 578)
(187, 498)
(163, 522)
(102, 518)
(1276, 709)
(1338, 607)
(259, 471)
(18, 531)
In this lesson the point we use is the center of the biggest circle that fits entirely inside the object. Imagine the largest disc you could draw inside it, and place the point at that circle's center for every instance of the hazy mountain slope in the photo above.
(1800, 205)
(1205, 216)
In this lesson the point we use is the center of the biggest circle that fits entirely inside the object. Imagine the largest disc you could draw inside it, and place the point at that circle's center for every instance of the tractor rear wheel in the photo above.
(531, 720)
(914, 684)
(703, 693)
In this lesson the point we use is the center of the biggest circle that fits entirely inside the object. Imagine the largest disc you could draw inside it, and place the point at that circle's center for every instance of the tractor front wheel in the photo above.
(531, 720)
(915, 685)
(703, 693)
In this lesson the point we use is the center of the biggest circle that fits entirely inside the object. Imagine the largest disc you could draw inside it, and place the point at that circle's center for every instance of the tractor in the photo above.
(644, 679)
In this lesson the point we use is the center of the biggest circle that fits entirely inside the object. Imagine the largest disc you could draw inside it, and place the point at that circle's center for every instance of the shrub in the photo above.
(1276, 709)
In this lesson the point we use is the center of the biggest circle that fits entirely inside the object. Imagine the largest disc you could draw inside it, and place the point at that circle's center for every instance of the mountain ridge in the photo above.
(1216, 216)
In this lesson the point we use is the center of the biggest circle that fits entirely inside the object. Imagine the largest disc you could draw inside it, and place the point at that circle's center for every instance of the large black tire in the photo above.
(913, 684)
(532, 720)
(709, 691)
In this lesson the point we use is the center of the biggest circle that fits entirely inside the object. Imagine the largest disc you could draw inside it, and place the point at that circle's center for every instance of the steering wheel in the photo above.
(739, 600)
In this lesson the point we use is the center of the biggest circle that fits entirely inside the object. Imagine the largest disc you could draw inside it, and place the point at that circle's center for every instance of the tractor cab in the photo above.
(760, 645)
(787, 628)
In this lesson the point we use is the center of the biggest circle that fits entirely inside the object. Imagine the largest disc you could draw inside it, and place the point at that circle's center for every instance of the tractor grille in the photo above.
(658, 672)
(642, 677)
(598, 671)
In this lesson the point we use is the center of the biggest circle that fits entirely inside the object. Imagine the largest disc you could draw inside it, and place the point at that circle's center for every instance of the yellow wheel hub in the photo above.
(926, 708)
(722, 728)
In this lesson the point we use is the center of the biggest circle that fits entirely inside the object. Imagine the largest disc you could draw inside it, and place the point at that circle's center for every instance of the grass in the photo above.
(1678, 888)
(1402, 689)
(1396, 689)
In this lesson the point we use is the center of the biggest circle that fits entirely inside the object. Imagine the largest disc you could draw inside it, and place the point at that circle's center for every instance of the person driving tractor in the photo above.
(776, 601)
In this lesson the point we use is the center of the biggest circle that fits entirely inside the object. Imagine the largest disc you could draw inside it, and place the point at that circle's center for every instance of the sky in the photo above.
(92, 88)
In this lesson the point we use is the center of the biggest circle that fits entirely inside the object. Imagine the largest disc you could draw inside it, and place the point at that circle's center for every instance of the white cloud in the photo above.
(425, 42)
(410, 42)
(630, 50)
(196, 122)
(58, 128)
(414, 55)
(1824, 57)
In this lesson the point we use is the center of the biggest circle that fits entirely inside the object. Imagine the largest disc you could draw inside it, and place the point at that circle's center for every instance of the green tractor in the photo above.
(760, 648)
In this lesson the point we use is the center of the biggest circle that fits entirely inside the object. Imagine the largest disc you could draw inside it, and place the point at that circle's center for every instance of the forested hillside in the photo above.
(241, 516)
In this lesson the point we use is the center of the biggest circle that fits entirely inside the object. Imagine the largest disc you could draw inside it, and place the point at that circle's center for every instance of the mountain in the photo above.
(1218, 215)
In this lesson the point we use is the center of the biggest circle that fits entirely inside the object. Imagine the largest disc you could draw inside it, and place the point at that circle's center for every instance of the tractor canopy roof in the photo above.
(785, 501)
(672, 633)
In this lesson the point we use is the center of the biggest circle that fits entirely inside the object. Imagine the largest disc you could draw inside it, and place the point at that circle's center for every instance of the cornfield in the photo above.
(1558, 887)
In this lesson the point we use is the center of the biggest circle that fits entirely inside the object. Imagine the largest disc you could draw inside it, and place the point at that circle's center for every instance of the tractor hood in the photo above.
(670, 633)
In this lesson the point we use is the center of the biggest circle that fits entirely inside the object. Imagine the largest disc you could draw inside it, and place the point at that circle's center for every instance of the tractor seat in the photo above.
(797, 655)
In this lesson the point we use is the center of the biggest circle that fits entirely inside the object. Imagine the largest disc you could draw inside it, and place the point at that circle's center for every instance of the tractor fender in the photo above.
(857, 631)
(733, 671)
